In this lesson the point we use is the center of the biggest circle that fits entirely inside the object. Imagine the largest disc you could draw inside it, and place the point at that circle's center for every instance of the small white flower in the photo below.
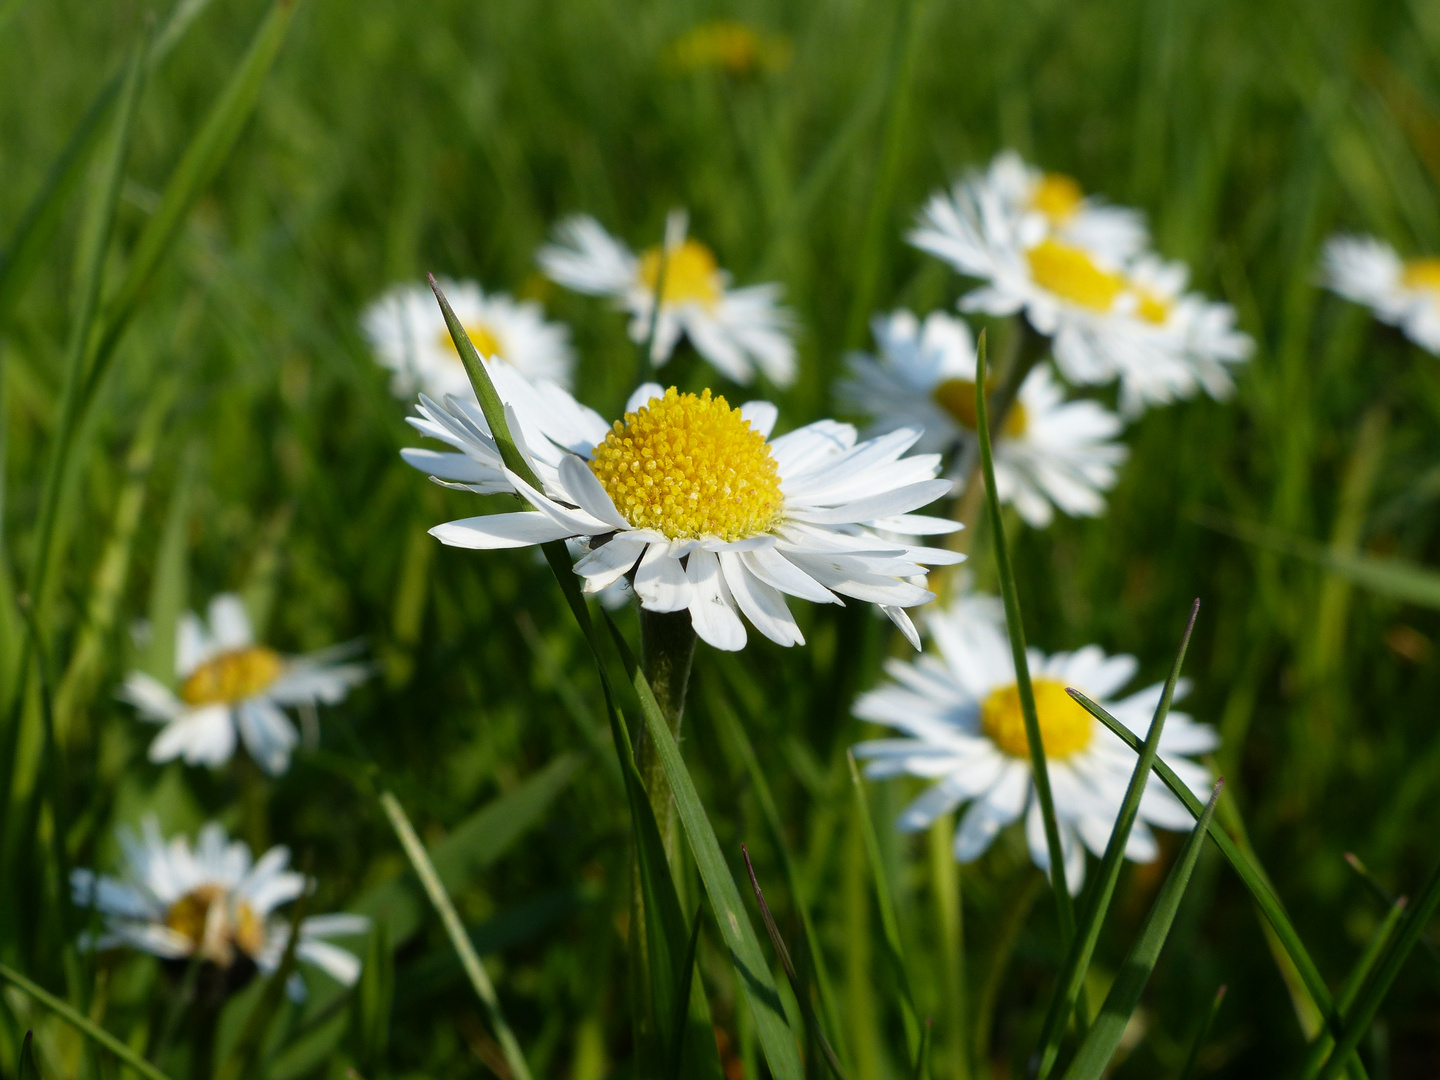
(1109, 315)
(409, 336)
(737, 330)
(960, 711)
(213, 902)
(692, 497)
(1050, 452)
(228, 683)
(1054, 203)
(1402, 292)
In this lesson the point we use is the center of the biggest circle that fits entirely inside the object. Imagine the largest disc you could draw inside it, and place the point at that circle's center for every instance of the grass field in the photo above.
(226, 428)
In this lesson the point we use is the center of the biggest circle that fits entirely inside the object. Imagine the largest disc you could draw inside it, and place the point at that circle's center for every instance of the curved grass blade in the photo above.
(25, 1067)
(801, 991)
(922, 1059)
(1368, 1001)
(1245, 865)
(888, 922)
(682, 1000)
(1092, 918)
(1016, 631)
(455, 929)
(1193, 1058)
(82, 1023)
(1103, 1038)
(1345, 998)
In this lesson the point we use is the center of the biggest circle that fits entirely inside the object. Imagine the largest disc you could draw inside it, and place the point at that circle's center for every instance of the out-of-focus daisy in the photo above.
(1402, 292)
(1051, 453)
(960, 713)
(694, 500)
(726, 45)
(229, 683)
(213, 902)
(737, 330)
(1109, 317)
(409, 336)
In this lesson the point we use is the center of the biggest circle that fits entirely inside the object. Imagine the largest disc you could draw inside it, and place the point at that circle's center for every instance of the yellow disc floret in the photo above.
(692, 275)
(689, 467)
(1065, 728)
(957, 397)
(232, 676)
(480, 335)
(1057, 196)
(1421, 274)
(1070, 273)
(214, 924)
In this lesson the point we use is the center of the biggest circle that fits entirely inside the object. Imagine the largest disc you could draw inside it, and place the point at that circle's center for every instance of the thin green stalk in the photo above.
(83, 1023)
(1386, 897)
(1193, 1058)
(455, 930)
(1016, 630)
(667, 648)
(1077, 961)
(949, 907)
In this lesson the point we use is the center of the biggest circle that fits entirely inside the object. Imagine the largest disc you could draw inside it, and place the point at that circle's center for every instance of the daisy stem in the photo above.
(1016, 630)
(667, 647)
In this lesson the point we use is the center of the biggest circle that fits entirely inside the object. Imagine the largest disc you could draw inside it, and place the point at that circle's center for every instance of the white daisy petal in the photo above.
(522, 528)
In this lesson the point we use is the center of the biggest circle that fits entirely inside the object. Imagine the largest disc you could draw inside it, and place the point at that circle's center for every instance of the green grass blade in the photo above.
(1386, 897)
(1192, 1060)
(455, 929)
(1356, 1021)
(170, 576)
(1016, 630)
(1350, 989)
(26, 1067)
(1103, 1038)
(1250, 872)
(683, 992)
(82, 1023)
(888, 923)
(1092, 917)
(198, 166)
(922, 1059)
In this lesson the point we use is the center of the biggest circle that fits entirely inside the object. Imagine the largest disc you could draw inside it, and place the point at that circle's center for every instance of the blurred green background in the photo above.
(245, 439)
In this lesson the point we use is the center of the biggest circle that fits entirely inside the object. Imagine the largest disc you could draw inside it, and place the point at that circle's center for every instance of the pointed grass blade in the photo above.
(922, 1059)
(1245, 865)
(1103, 1038)
(1097, 905)
(888, 923)
(1192, 1060)
(455, 929)
(683, 992)
(25, 1067)
(1386, 897)
(82, 1023)
(1015, 628)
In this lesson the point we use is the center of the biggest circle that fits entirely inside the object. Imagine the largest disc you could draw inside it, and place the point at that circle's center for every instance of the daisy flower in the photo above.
(213, 902)
(958, 709)
(1051, 453)
(409, 336)
(228, 682)
(737, 330)
(694, 501)
(1109, 316)
(1402, 292)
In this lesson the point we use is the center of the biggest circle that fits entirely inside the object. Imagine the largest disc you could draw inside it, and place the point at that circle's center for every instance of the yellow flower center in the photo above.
(1057, 196)
(1421, 274)
(729, 46)
(691, 274)
(957, 397)
(480, 335)
(232, 676)
(1065, 728)
(1070, 273)
(689, 467)
(1152, 308)
(205, 918)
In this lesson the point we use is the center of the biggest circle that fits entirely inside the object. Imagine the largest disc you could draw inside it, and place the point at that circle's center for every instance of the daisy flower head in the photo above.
(736, 330)
(1402, 292)
(957, 710)
(229, 683)
(409, 336)
(213, 902)
(1109, 315)
(1049, 453)
(1048, 203)
(698, 506)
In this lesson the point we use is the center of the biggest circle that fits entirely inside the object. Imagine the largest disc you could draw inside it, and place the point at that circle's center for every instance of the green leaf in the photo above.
(683, 991)
(1198, 1045)
(170, 577)
(1103, 1038)
(1097, 905)
(82, 1023)
(374, 998)
(26, 1068)
(888, 923)
(1040, 773)
(1244, 864)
